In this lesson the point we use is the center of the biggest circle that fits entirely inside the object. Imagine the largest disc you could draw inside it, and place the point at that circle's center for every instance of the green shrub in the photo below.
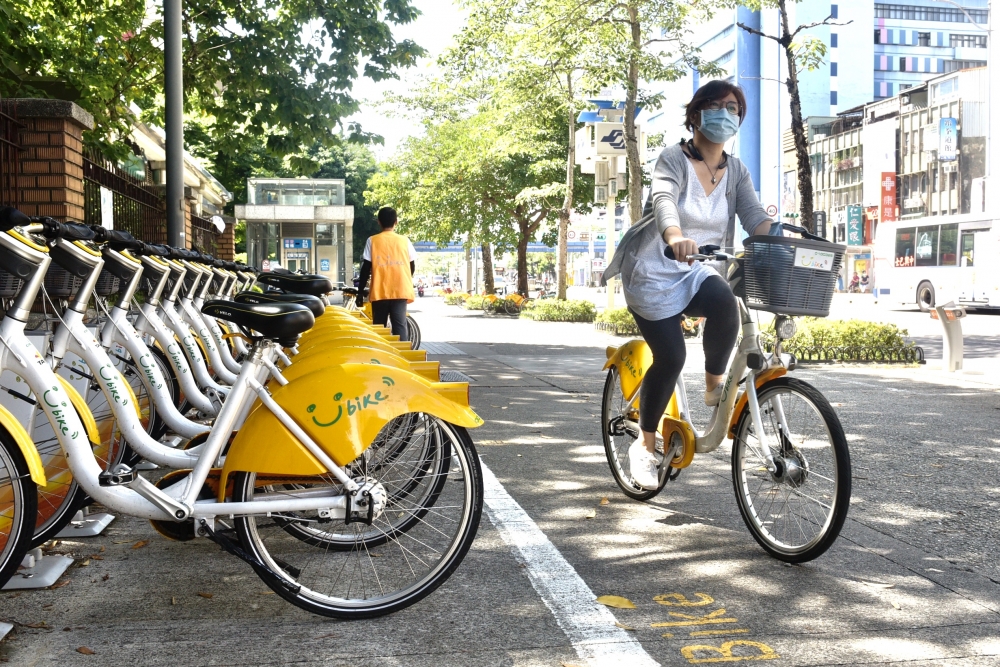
(475, 302)
(454, 299)
(826, 334)
(553, 310)
(619, 321)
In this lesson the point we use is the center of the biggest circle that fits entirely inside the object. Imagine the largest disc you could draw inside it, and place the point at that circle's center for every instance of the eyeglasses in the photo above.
(731, 107)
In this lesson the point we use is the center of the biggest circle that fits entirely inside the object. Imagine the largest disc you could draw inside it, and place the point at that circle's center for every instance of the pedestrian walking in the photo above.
(390, 260)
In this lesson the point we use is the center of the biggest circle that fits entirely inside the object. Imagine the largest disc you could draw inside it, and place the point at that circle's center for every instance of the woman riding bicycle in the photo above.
(697, 192)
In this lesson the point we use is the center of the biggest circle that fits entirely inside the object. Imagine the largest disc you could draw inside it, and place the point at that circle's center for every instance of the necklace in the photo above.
(696, 154)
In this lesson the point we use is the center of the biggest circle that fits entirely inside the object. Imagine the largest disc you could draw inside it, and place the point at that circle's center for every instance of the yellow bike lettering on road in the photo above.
(724, 653)
(680, 600)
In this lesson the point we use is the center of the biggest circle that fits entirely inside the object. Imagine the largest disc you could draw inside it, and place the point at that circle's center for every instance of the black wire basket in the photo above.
(791, 276)
(61, 283)
(107, 283)
(10, 285)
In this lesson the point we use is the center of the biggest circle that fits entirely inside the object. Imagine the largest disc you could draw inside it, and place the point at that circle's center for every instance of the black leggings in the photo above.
(394, 311)
(714, 301)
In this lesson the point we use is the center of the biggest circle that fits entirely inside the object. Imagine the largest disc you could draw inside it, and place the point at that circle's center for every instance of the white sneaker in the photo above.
(642, 463)
(713, 397)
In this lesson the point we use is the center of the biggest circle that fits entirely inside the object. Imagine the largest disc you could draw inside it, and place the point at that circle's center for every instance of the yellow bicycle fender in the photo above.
(333, 338)
(631, 359)
(317, 359)
(89, 423)
(27, 447)
(342, 408)
(763, 378)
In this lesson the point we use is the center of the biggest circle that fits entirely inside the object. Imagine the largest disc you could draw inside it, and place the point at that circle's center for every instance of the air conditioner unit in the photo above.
(949, 167)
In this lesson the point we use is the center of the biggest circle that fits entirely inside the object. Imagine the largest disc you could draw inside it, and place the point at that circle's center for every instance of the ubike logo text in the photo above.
(58, 410)
(107, 373)
(146, 362)
(175, 355)
(351, 406)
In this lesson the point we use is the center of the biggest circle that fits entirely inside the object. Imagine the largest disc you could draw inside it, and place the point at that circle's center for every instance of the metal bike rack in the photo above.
(38, 571)
(951, 316)
(85, 524)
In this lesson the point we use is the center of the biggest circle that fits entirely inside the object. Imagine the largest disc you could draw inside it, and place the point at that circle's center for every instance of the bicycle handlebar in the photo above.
(705, 253)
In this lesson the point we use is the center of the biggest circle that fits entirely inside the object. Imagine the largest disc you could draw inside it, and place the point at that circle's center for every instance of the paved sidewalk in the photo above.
(913, 579)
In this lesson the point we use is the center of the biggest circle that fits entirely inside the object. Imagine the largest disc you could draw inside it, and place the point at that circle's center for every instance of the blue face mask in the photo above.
(718, 125)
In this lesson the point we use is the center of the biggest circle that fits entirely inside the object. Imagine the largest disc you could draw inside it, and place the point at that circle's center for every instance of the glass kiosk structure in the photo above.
(300, 224)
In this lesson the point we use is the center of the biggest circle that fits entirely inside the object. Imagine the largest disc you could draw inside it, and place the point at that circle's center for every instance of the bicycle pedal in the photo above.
(117, 475)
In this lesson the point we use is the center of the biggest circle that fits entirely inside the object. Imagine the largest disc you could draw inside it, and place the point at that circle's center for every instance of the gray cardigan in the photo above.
(670, 177)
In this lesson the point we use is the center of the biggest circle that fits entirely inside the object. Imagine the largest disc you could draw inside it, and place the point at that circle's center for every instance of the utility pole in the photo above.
(173, 90)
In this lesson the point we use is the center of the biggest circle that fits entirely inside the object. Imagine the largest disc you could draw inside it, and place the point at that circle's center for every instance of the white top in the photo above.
(367, 254)
(656, 287)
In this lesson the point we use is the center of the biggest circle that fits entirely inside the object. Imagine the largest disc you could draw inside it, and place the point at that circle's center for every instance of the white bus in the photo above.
(937, 260)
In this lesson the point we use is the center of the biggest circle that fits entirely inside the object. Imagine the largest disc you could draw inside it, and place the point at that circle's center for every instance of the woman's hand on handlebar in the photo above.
(681, 247)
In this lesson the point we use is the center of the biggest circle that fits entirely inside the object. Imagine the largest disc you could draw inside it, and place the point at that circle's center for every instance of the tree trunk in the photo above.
(567, 208)
(631, 137)
(522, 259)
(488, 286)
(798, 129)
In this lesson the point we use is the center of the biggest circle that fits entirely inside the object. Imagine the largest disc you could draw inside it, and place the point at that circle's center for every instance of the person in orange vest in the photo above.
(390, 259)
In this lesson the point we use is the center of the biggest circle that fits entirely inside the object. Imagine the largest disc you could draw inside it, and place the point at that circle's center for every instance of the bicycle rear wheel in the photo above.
(797, 512)
(18, 507)
(618, 436)
(411, 325)
(360, 580)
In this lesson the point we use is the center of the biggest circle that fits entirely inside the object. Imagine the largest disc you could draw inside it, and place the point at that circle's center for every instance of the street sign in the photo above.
(584, 236)
(772, 210)
(855, 226)
(610, 138)
(947, 139)
(265, 265)
(324, 265)
(819, 223)
(601, 237)
(570, 235)
(304, 244)
(597, 264)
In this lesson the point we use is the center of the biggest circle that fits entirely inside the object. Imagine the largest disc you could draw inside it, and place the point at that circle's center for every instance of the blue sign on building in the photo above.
(298, 244)
(324, 265)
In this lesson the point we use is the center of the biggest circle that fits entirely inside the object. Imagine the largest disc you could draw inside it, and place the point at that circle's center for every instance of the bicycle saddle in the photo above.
(282, 322)
(350, 291)
(296, 284)
(311, 302)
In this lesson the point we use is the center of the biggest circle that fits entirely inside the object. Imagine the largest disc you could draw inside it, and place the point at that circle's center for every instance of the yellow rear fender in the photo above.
(632, 360)
(343, 409)
(324, 358)
(347, 339)
(24, 443)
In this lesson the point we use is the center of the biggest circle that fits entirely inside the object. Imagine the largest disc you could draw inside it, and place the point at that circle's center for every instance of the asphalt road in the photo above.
(913, 580)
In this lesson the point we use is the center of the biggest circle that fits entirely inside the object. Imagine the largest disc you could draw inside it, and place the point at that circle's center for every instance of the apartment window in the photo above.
(934, 180)
(955, 65)
(923, 39)
(947, 87)
(878, 36)
(940, 14)
(906, 143)
(902, 63)
(968, 41)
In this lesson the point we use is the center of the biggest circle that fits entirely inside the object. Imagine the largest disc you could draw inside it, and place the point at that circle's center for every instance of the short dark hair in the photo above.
(386, 217)
(710, 92)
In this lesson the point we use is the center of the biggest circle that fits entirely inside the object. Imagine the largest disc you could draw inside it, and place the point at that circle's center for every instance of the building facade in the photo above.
(299, 224)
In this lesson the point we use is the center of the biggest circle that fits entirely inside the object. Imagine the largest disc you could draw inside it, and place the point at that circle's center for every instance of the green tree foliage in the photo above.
(262, 78)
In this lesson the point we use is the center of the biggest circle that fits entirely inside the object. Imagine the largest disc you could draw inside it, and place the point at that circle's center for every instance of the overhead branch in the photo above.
(825, 21)
(757, 32)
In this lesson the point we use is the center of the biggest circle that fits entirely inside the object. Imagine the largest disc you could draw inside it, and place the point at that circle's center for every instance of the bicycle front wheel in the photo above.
(18, 507)
(616, 428)
(796, 512)
(363, 579)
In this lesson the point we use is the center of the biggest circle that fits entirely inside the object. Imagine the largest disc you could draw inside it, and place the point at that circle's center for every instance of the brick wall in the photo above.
(51, 180)
(226, 242)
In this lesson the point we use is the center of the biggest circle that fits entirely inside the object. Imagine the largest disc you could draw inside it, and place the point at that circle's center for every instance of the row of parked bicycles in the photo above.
(314, 446)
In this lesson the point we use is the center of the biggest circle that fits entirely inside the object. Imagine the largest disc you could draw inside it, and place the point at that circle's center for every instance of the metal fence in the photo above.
(137, 205)
(9, 148)
(204, 236)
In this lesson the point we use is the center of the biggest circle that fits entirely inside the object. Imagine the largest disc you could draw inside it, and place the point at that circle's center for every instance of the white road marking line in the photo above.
(589, 626)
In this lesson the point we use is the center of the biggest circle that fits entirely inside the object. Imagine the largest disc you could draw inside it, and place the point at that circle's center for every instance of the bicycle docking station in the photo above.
(85, 524)
(951, 316)
(38, 571)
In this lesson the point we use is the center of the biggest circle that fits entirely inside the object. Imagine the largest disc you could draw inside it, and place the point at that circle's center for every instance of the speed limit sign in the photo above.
(570, 235)
(772, 210)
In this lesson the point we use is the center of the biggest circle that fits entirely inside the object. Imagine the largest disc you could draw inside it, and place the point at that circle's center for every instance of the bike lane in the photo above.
(704, 591)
